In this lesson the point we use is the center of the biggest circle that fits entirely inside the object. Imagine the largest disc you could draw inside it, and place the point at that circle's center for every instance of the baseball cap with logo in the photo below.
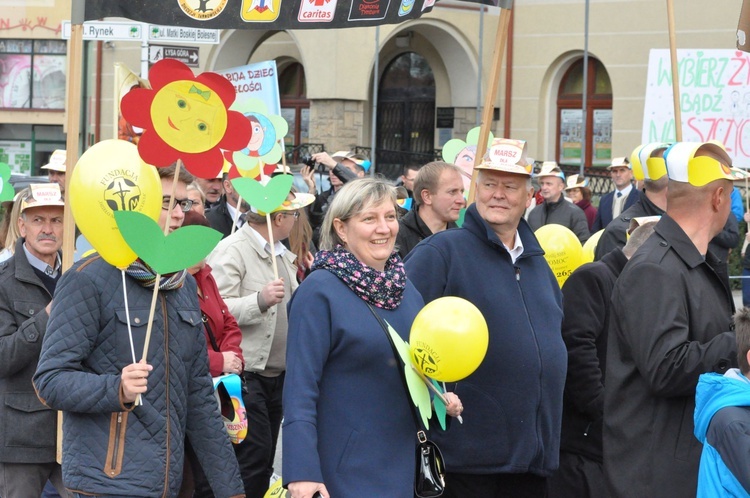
(550, 168)
(507, 155)
(619, 162)
(57, 161)
(42, 194)
(355, 158)
(576, 181)
(700, 163)
(647, 165)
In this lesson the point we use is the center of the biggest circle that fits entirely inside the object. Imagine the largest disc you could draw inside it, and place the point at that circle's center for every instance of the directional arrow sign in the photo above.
(107, 31)
(186, 55)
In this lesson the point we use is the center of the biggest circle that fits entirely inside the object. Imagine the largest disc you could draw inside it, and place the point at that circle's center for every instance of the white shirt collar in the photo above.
(626, 191)
(233, 213)
(41, 265)
(279, 248)
(517, 248)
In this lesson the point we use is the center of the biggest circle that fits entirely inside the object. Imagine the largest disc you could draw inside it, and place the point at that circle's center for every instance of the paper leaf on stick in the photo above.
(6, 189)
(264, 198)
(186, 117)
(177, 251)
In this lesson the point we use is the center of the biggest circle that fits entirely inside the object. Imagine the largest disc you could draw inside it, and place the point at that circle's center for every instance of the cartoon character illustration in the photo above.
(264, 135)
(463, 153)
(263, 147)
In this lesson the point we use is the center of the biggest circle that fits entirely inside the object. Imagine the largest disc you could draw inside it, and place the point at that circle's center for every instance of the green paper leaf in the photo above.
(264, 198)
(177, 251)
(418, 391)
(438, 405)
(6, 189)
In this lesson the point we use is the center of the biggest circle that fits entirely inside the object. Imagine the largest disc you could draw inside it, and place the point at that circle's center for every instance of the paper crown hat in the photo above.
(507, 155)
(57, 161)
(550, 168)
(646, 163)
(42, 194)
(619, 162)
(576, 181)
(700, 163)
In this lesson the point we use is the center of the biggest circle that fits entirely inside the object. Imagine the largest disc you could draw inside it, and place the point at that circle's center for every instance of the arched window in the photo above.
(598, 117)
(295, 107)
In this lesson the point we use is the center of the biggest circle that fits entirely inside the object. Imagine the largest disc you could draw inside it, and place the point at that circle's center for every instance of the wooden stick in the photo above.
(273, 250)
(236, 215)
(490, 96)
(675, 75)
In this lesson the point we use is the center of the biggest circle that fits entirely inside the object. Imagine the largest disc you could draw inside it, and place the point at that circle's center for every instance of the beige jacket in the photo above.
(242, 267)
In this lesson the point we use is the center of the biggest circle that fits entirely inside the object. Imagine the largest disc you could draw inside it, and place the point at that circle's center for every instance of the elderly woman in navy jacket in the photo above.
(348, 429)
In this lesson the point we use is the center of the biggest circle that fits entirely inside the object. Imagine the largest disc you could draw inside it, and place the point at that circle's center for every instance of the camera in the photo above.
(308, 161)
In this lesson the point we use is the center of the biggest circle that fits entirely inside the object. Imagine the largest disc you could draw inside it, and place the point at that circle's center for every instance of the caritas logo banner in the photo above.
(316, 10)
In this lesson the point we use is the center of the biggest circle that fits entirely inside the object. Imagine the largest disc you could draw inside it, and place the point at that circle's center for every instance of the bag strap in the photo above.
(420, 429)
(211, 336)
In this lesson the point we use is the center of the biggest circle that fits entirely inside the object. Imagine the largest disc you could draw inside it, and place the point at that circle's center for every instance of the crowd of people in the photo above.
(585, 391)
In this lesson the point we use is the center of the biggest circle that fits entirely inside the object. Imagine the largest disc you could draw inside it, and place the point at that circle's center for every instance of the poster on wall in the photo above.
(714, 99)
(602, 137)
(17, 154)
(571, 124)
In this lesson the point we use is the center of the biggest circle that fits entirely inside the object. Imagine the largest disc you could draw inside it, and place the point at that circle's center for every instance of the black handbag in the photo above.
(429, 475)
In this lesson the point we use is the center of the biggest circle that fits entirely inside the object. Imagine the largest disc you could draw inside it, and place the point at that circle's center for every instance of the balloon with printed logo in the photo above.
(562, 250)
(589, 247)
(276, 490)
(448, 339)
(110, 177)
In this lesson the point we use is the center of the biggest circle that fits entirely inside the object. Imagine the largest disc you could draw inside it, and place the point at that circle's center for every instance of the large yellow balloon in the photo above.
(448, 339)
(562, 250)
(110, 176)
(276, 491)
(589, 248)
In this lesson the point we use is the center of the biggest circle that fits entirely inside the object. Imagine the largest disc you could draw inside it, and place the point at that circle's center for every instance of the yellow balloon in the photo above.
(448, 339)
(589, 248)
(562, 250)
(110, 176)
(276, 491)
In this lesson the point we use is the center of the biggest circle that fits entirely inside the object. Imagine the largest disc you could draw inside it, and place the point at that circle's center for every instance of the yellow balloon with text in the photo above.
(448, 339)
(562, 250)
(589, 247)
(109, 177)
(276, 491)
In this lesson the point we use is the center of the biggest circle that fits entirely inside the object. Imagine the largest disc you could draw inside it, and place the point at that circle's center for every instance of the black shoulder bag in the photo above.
(429, 478)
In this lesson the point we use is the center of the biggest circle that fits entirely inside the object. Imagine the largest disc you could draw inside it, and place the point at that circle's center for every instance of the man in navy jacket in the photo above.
(621, 198)
(509, 442)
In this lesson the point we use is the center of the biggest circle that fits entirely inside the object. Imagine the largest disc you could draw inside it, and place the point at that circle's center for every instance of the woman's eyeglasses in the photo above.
(185, 204)
(291, 213)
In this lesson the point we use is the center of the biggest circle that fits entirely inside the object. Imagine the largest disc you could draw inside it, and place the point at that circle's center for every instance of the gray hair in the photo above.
(351, 199)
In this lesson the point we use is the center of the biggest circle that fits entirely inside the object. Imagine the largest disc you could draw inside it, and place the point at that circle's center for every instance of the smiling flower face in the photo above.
(186, 117)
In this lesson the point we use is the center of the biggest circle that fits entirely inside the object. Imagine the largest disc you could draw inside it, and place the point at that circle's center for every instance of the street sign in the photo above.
(186, 55)
(107, 31)
(182, 34)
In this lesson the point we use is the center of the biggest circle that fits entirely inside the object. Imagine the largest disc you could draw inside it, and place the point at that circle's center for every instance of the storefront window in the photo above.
(32, 74)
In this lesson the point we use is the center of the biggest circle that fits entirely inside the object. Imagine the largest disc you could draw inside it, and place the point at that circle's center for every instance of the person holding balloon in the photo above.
(509, 442)
(348, 428)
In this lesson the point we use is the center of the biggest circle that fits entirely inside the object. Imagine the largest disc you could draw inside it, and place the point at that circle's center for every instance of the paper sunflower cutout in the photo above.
(263, 147)
(186, 117)
(6, 189)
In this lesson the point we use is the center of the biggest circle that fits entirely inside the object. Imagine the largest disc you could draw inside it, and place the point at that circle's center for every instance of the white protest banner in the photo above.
(255, 81)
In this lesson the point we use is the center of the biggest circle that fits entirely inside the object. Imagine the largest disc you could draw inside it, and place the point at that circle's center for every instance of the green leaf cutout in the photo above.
(267, 197)
(179, 250)
(438, 405)
(6, 189)
(420, 395)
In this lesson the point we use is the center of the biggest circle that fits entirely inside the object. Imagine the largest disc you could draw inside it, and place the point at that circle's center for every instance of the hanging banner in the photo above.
(255, 81)
(714, 99)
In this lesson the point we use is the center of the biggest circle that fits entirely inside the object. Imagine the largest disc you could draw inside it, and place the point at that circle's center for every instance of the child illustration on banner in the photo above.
(126, 80)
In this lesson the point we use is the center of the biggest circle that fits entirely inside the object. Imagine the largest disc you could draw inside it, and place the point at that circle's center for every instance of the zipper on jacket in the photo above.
(166, 375)
(518, 274)
(116, 449)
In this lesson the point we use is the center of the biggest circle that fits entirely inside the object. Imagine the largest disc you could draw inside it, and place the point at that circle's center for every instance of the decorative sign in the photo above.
(602, 137)
(142, 32)
(445, 117)
(186, 55)
(17, 155)
(714, 99)
(571, 123)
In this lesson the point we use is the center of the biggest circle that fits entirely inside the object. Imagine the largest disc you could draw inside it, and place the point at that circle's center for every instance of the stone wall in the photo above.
(339, 124)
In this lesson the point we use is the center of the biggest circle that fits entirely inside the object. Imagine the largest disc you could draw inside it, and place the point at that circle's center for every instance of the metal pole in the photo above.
(376, 77)
(479, 69)
(584, 109)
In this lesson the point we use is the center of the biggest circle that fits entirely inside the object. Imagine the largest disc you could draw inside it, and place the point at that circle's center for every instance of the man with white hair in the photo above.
(556, 209)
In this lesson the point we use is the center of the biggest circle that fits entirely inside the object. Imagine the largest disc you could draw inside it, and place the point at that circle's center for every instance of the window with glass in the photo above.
(32, 74)
(295, 107)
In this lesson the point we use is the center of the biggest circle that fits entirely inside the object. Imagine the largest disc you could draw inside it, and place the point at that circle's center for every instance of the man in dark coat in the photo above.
(556, 209)
(438, 200)
(621, 198)
(586, 304)
(670, 322)
(27, 283)
(223, 215)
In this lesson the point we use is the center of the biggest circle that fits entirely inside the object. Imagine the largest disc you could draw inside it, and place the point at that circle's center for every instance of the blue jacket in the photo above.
(722, 424)
(115, 448)
(513, 401)
(604, 214)
(347, 421)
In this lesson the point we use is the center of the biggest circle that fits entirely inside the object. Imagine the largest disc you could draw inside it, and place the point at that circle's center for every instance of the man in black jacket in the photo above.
(586, 303)
(224, 214)
(438, 200)
(671, 321)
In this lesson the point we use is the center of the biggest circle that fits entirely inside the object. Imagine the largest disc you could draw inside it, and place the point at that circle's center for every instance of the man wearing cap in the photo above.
(56, 168)
(224, 215)
(663, 337)
(257, 298)
(621, 198)
(27, 283)
(343, 167)
(648, 165)
(555, 208)
(509, 444)
(438, 201)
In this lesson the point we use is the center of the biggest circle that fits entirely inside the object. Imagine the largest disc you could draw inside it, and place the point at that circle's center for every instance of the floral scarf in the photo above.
(383, 289)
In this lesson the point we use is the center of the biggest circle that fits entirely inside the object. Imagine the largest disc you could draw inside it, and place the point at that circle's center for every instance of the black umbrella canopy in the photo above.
(266, 14)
